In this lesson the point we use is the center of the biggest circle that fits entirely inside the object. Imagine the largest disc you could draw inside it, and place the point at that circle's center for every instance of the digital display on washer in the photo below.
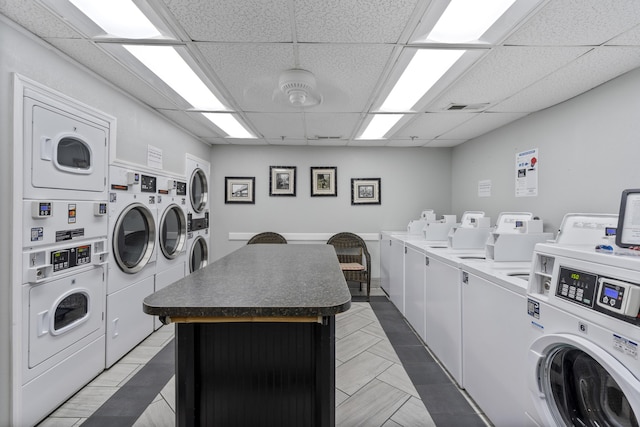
(577, 286)
(611, 293)
(148, 184)
(72, 257)
(181, 188)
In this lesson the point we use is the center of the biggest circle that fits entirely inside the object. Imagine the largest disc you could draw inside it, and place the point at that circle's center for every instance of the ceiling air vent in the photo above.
(467, 107)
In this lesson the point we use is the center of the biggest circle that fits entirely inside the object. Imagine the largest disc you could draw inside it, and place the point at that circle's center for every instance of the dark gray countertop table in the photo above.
(258, 281)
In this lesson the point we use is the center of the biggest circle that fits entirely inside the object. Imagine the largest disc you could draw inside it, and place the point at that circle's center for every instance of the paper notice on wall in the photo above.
(154, 157)
(527, 173)
(484, 188)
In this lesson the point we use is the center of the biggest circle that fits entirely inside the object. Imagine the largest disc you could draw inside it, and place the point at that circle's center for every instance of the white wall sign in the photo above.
(527, 173)
(484, 188)
(154, 157)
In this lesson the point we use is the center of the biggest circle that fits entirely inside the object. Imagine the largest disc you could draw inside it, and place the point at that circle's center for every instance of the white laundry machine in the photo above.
(65, 252)
(171, 260)
(584, 332)
(198, 172)
(65, 150)
(131, 277)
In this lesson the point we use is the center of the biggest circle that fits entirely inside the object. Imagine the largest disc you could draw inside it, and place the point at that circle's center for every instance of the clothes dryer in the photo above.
(63, 301)
(132, 237)
(198, 172)
(65, 150)
(171, 261)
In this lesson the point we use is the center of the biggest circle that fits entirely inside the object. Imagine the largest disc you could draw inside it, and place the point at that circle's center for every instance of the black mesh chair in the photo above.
(267, 237)
(354, 258)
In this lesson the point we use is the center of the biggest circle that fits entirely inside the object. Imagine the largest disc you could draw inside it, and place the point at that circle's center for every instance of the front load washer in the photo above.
(65, 252)
(584, 323)
(198, 172)
(65, 150)
(132, 237)
(171, 264)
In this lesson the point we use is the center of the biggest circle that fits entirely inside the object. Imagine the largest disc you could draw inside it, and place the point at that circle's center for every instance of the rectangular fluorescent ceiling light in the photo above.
(229, 125)
(119, 18)
(168, 65)
(380, 125)
(425, 68)
(465, 21)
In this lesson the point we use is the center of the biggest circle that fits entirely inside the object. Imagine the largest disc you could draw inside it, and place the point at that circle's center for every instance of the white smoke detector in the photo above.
(300, 88)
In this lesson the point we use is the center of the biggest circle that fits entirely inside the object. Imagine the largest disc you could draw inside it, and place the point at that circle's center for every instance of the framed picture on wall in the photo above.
(240, 190)
(282, 181)
(365, 191)
(323, 181)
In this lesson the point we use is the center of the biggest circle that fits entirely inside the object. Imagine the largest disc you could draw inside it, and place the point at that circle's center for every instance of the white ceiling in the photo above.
(561, 49)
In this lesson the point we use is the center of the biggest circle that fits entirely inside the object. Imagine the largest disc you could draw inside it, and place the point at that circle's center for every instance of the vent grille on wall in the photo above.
(467, 107)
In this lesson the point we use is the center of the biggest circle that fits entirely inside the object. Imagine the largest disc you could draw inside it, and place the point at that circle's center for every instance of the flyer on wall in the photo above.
(527, 173)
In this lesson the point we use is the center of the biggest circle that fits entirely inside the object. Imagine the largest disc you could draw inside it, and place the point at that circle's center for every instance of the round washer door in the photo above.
(173, 231)
(579, 383)
(134, 238)
(198, 190)
(199, 254)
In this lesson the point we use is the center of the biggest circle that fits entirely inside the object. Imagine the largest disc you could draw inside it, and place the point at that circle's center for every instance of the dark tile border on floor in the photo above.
(133, 398)
(444, 401)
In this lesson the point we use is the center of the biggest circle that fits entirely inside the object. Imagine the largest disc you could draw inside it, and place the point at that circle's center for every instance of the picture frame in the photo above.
(365, 191)
(282, 181)
(324, 181)
(240, 189)
(627, 234)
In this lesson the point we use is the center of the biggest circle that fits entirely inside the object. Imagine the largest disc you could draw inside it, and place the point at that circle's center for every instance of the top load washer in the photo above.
(65, 149)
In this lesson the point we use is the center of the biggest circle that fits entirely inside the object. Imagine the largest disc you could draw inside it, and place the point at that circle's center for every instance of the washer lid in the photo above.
(173, 231)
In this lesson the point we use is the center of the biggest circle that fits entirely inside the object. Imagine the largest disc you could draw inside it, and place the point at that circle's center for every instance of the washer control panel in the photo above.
(604, 294)
(71, 257)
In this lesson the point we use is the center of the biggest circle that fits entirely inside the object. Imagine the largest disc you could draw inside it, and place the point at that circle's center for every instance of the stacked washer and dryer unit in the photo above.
(64, 250)
(198, 172)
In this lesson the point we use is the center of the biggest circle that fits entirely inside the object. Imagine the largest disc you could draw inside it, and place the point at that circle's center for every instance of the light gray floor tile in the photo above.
(60, 422)
(140, 355)
(413, 413)
(158, 414)
(391, 423)
(374, 328)
(169, 393)
(85, 402)
(352, 375)
(354, 344)
(385, 349)
(397, 377)
(370, 406)
(117, 375)
(350, 324)
(340, 397)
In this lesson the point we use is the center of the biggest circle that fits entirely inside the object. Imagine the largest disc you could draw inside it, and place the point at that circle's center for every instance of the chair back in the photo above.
(267, 237)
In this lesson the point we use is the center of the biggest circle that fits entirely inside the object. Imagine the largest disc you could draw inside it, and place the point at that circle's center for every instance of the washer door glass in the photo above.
(173, 231)
(70, 310)
(198, 190)
(584, 393)
(199, 254)
(134, 238)
(72, 153)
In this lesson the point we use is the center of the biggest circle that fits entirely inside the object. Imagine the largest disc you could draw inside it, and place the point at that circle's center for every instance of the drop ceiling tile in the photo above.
(241, 141)
(275, 126)
(577, 22)
(341, 125)
(37, 19)
(287, 141)
(445, 143)
(588, 71)
(432, 125)
(368, 143)
(505, 71)
(346, 75)
(481, 124)
(195, 123)
(629, 38)
(328, 143)
(94, 58)
(250, 72)
(407, 142)
(233, 20)
(346, 21)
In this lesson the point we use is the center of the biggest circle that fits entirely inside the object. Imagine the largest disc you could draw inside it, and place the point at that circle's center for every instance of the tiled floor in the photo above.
(384, 377)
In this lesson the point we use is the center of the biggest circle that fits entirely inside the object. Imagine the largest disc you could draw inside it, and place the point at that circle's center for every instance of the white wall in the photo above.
(412, 179)
(588, 153)
(137, 126)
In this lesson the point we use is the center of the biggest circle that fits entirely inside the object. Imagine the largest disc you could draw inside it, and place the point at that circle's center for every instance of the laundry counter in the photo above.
(255, 336)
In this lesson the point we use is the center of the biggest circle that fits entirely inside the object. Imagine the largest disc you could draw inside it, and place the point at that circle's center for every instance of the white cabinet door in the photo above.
(414, 264)
(385, 263)
(396, 291)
